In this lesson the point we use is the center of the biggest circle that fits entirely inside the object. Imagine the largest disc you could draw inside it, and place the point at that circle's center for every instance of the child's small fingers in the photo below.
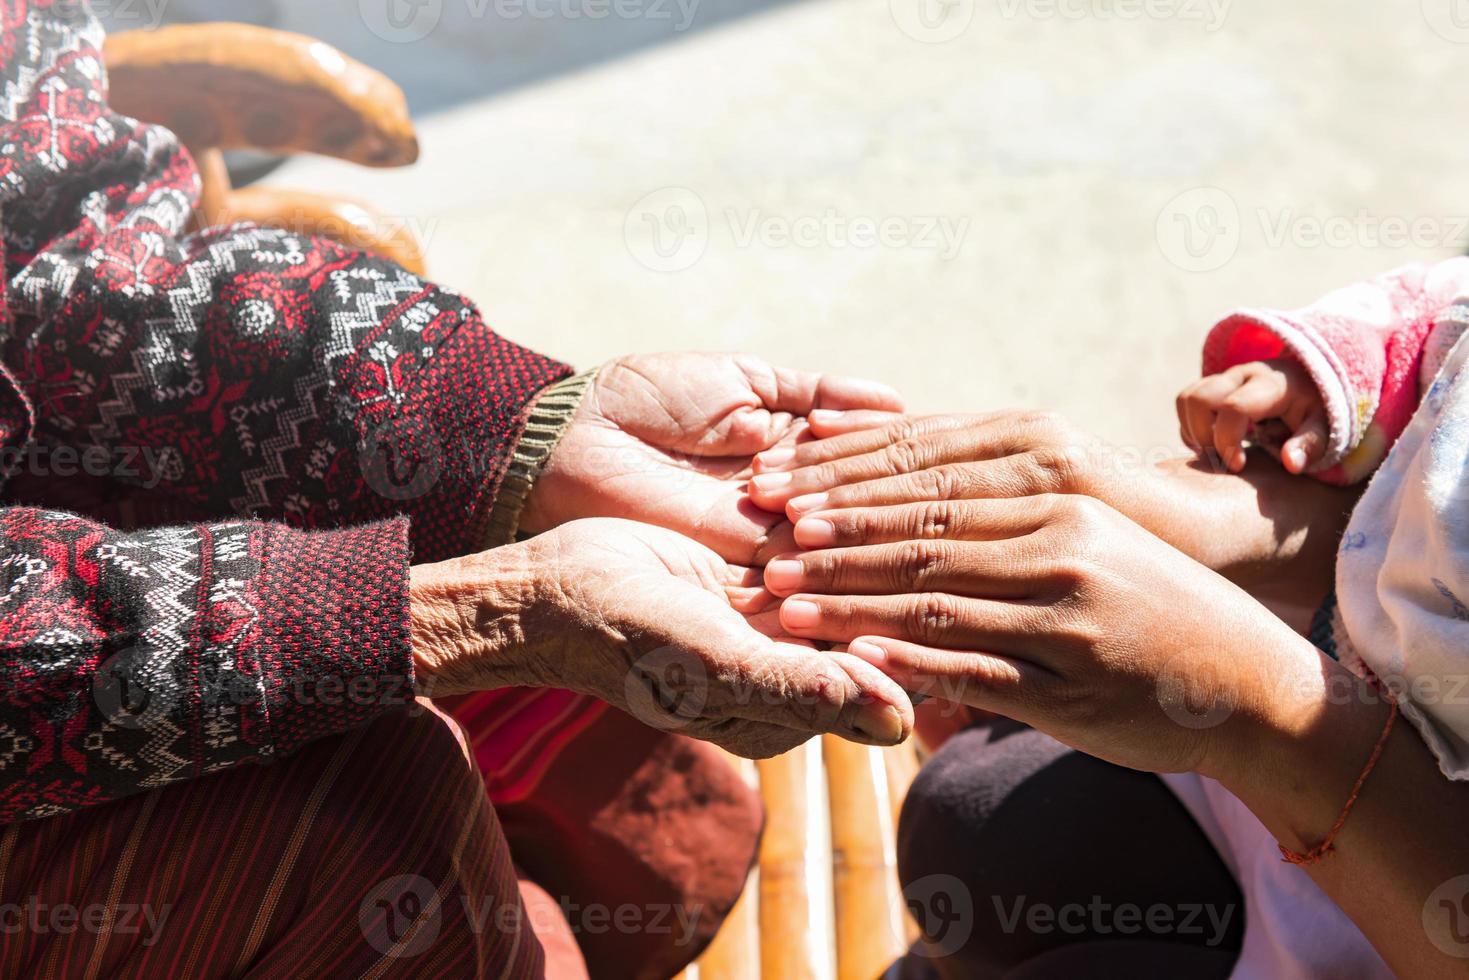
(1195, 422)
(1230, 428)
(1308, 445)
(1264, 396)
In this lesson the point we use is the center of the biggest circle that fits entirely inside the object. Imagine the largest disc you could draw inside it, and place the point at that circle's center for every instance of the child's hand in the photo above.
(1218, 412)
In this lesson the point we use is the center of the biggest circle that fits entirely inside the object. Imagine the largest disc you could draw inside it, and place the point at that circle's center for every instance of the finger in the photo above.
(1196, 419)
(921, 451)
(1307, 446)
(779, 539)
(989, 569)
(801, 392)
(827, 423)
(719, 515)
(1230, 429)
(969, 520)
(794, 686)
(932, 619)
(950, 444)
(860, 441)
(980, 680)
(1008, 477)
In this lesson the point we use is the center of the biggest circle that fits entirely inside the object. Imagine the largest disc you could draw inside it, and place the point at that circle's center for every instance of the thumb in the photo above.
(1306, 447)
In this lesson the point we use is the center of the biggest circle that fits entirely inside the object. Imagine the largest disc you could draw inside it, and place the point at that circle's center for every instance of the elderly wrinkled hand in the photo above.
(650, 622)
(669, 439)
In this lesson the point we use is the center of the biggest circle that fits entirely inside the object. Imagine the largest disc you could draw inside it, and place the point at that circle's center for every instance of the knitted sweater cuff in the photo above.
(546, 423)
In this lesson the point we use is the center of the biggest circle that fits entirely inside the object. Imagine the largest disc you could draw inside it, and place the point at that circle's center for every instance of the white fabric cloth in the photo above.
(1403, 614)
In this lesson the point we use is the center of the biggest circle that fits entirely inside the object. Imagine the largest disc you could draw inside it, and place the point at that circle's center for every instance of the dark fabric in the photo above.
(370, 854)
(1012, 847)
(214, 380)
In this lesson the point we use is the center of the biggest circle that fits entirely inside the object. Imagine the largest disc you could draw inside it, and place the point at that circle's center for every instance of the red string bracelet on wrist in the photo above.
(1327, 846)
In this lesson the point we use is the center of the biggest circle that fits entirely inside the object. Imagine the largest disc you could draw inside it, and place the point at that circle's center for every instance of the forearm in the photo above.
(1268, 531)
(1294, 765)
(132, 661)
(473, 619)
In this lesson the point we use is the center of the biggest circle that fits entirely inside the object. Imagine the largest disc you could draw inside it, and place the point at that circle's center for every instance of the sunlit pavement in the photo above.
(1013, 202)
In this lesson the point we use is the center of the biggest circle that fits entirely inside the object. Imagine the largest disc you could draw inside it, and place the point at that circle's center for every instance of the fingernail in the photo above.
(771, 482)
(870, 652)
(799, 614)
(772, 458)
(879, 722)
(1296, 457)
(806, 504)
(813, 532)
(826, 415)
(784, 575)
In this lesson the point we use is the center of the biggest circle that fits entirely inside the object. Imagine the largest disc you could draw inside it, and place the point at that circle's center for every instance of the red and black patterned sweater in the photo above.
(316, 413)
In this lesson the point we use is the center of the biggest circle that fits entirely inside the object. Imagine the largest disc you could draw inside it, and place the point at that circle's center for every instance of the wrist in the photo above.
(1294, 752)
(521, 505)
(468, 621)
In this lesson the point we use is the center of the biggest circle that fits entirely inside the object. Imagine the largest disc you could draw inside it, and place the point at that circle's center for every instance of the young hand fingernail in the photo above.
(772, 458)
(784, 575)
(868, 651)
(800, 614)
(771, 482)
(806, 504)
(813, 532)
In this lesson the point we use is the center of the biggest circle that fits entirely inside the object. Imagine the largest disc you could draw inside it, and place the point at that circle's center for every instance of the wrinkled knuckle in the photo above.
(1057, 468)
(905, 430)
(903, 456)
(935, 519)
(934, 616)
(932, 484)
(918, 564)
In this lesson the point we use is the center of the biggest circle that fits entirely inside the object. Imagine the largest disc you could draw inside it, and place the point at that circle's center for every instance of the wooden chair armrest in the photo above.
(350, 222)
(235, 86)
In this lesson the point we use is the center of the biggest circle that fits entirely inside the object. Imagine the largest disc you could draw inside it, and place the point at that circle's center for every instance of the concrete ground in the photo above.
(984, 202)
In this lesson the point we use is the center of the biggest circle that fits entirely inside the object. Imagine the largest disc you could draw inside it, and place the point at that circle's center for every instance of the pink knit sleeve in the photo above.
(1362, 345)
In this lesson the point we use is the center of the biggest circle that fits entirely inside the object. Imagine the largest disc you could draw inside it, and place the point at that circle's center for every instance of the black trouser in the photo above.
(1023, 858)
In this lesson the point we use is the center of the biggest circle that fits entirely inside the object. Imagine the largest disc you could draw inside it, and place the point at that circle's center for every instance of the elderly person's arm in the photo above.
(134, 660)
(258, 373)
